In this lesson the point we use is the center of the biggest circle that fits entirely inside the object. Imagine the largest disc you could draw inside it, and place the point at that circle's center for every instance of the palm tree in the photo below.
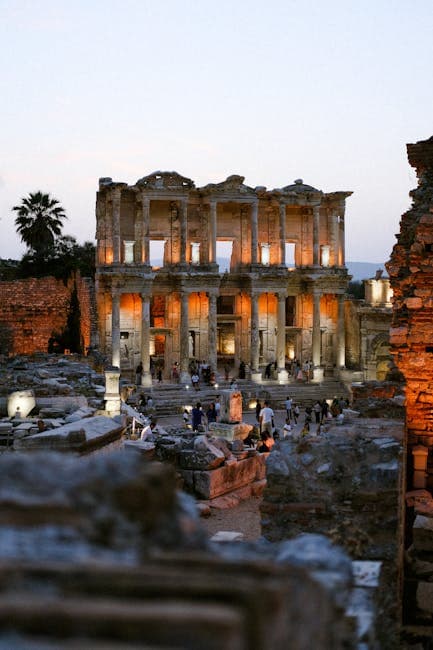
(39, 221)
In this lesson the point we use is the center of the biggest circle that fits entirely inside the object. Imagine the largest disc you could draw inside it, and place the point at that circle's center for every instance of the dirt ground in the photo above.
(243, 518)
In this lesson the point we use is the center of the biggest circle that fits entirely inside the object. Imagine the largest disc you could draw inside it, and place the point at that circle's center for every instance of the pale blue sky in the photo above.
(328, 91)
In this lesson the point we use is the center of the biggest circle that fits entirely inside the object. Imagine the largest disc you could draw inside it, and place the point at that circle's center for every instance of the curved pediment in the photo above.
(233, 184)
(166, 181)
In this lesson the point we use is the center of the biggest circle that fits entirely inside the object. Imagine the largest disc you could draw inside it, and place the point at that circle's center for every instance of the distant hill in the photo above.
(364, 270)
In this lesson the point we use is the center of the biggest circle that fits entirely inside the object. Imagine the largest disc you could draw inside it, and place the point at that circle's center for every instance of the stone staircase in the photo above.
(171, 399)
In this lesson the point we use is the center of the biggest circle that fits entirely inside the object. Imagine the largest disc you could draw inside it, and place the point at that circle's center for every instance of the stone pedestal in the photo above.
(231, 406)
(146, 379)
(318, 374)
(112, 395)
(256, 377)
(283, 377)
(229, 431)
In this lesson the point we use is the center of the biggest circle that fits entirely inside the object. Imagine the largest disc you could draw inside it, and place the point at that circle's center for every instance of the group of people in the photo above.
(199, 417)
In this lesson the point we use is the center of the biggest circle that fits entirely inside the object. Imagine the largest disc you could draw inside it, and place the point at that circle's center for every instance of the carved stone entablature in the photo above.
(165, 181)
(232, 185)
(299, 187)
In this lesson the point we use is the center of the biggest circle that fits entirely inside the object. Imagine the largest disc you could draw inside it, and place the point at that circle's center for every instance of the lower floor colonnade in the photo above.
(166, 329)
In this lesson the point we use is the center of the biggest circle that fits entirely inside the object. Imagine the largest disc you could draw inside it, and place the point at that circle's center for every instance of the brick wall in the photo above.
(35, 307)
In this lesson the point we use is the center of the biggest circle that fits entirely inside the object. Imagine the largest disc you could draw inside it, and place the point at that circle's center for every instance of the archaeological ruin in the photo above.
(281, 297)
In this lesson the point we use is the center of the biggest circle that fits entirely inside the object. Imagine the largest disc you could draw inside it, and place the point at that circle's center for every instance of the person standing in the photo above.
(289, 403)
(211, 413)
(296, 413)
(266, 419)
(317, 408)
(138, 373)
(197, 416)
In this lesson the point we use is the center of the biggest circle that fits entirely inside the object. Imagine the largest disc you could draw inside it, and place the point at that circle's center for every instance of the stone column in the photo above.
(183, 229)
(334, 237)
(340, 360)
(254, 231)
(316, 236)
(212, 231)
(316, 334)
(116, 224)
(115, 328)
(342, 238)
(212, 331)
(184, 338)
(281, 339)
(146, 378)
(282, 234)
(256, 375)
(146, 216)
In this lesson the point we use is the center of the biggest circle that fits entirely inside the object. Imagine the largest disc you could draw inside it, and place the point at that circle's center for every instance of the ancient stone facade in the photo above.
(283, 296)
(367, 324)
(35, 307)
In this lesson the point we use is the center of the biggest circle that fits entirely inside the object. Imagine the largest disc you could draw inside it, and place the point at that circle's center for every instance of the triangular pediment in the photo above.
(166, 181)
(233, 184)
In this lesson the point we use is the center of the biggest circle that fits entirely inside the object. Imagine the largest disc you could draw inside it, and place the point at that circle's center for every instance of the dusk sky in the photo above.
(328, 91)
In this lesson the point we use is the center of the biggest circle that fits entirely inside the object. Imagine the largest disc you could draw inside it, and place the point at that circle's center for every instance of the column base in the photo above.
(318, 374)
(283, 377)
(146, 379)
(185, 378)
(256, 377)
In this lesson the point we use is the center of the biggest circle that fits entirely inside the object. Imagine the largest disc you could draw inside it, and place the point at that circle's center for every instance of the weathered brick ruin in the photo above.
(411, 273)
(32, 309)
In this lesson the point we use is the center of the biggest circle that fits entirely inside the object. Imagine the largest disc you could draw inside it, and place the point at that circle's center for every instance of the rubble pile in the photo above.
(374, 399)
(104, 551)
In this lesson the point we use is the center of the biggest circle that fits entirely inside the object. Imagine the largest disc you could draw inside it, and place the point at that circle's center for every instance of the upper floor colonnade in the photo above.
(168, 208)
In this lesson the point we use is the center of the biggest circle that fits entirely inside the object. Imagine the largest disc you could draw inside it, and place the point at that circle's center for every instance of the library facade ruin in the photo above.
(281, 296)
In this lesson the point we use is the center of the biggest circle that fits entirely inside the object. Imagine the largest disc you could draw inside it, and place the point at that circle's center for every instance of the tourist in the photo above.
(268, 371)
(197, 416)
(211, 413)
(242, 369)
(305, 429)
(325, 410)
(175, 372)
(289, 403)
(138, 373)
(147, 430)
(195, 380)
(217, 408)
(185, 417)
(287, 429)
(258, 409)
(296, 413)
(159, 375)
(266, 419)
(233, 384)
(317, 408)
(266, 444)
(308, 414)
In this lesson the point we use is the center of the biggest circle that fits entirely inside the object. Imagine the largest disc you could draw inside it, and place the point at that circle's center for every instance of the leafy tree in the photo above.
(39, 222)
(62, 261)
(356, 290)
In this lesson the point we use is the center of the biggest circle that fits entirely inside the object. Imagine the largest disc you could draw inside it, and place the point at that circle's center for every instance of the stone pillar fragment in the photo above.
(146, 378)
(184, 338)
(115, 328)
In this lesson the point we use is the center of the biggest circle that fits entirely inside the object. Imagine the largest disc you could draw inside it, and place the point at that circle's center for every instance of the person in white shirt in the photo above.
(287, 429)
(266, 419)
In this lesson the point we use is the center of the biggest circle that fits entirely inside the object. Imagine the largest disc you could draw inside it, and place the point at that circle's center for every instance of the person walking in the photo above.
(296, 413)
(197, 416)
(289, 403)
(317, 408)
(266, 419)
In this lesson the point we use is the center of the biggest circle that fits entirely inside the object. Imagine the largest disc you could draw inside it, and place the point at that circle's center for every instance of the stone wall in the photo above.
(103, 552)
(35, 307)
(343, 484)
